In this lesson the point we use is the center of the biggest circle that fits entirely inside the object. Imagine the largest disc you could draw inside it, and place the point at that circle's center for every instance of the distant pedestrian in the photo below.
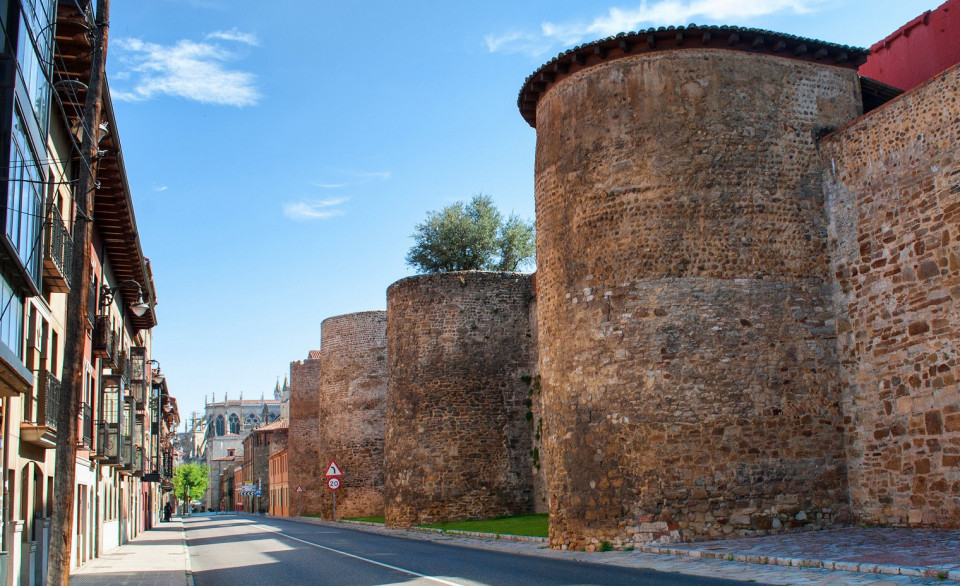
(167, 511)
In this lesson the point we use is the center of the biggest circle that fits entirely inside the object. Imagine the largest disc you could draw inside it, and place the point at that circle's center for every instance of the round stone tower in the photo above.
(459, 422)
(686, 345)
(352, 402)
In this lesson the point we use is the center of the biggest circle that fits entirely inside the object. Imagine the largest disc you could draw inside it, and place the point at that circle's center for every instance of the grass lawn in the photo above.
(366, 519)
(531, 525)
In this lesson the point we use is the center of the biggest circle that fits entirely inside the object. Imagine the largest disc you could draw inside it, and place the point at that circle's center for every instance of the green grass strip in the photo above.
(373, 519)
(529, 525)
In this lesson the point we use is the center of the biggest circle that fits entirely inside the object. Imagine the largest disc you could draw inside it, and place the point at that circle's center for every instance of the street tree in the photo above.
(190, 481)
(472, 237)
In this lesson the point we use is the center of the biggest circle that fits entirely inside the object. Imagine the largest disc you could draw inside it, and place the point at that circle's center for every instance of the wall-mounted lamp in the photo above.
(158, 377)
(139, 308)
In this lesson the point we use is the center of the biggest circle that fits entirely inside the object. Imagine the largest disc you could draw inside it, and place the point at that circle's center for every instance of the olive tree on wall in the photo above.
(472, 237)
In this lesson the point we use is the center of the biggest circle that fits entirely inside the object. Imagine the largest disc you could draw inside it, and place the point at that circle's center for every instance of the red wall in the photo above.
(920, 49)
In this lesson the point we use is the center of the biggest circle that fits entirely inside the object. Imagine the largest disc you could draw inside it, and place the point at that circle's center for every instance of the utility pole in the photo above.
(61, 524)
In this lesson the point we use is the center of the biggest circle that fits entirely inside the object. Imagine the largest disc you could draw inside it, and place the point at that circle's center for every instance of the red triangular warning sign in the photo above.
(333, 470)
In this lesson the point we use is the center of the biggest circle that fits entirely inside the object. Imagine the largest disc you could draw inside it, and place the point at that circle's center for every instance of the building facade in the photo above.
(127, 416)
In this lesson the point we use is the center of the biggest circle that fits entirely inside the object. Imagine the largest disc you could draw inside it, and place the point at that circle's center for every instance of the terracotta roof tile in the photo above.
(680, 37)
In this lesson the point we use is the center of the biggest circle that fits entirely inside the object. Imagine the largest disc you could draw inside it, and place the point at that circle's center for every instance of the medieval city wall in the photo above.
(893, 187)
(351, 415)
(687, 350)
(459, 417)
(303, 459)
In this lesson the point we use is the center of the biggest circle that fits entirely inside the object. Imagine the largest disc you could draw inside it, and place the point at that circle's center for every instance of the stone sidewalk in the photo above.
(157, 557)
(908, 552)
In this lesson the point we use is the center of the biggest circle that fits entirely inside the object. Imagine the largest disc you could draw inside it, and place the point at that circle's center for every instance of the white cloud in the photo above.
(648, 14)
(303, 211)
(236, 36)
(328, 185)
(377, 175)
(160, 188)
(186, 69)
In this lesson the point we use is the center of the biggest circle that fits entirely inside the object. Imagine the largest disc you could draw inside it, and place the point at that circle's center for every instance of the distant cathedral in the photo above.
(239, 417)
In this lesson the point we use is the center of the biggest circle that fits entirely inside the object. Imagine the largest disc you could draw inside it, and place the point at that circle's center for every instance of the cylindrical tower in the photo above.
(687, 351)
(352, 402)
(459, 422)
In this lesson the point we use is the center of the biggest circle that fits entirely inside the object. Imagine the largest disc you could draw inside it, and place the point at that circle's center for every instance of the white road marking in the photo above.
(363, 559)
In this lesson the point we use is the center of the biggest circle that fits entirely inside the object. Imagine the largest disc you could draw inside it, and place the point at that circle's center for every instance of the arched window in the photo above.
(234, 423)
(252, 421)
(219, 425)
(273, 417)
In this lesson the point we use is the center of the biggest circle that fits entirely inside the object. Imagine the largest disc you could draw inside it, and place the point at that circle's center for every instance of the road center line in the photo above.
(357, 557)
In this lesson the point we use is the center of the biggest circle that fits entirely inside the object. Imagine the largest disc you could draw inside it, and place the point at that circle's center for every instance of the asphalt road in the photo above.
(235, 551)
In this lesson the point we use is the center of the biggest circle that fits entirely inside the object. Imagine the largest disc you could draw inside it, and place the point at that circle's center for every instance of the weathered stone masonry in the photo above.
(687, 348)
(353, 392)
(303, 459)
(893, 185)
(458, 441)
(740, 326)
(337, 408)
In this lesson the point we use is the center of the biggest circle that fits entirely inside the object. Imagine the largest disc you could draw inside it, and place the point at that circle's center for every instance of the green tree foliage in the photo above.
(472, 237)
(190, 475)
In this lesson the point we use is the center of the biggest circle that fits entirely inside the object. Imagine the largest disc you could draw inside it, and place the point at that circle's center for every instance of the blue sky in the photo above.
(281, 153)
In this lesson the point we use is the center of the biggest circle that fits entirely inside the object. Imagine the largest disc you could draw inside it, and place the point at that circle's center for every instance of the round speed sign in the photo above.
(333, 483)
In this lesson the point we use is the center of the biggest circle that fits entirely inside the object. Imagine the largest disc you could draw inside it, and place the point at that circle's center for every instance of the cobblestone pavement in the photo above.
(157, 557)
(912, 552)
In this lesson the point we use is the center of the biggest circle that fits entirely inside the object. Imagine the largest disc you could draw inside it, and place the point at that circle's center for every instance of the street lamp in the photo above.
(139, 308)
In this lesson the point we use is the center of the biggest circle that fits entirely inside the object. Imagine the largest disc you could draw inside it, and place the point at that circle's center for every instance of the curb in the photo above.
(459, 532)
(188, 568)
(862, 568)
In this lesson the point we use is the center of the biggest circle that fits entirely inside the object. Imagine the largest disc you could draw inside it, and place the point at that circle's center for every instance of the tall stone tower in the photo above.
(459, 424)
(687, 349)
(352, 402)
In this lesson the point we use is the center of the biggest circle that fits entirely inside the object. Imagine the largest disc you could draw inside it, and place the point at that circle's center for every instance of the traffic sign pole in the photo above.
(333, 475)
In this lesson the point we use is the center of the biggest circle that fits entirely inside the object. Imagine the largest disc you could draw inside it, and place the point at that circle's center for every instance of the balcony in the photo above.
(104, 340)
(109, 442)
(43, 432)
(139, 461)
(57, 253)
(85, 427)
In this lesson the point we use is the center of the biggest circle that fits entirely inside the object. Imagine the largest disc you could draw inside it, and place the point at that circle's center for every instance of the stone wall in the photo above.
(305, 468)
(461, 362)
(352, 404)
(687, 350)
(893, 185)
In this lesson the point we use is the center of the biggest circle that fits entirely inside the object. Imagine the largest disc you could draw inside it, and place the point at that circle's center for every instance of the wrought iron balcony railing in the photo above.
(104, 340)
(86, 425)
(49, 399)
(57, 253)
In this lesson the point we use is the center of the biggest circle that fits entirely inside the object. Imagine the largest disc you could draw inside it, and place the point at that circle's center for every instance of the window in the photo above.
(251, 421)
(218, 425)
(32, 54)
(25, 202)
(234, 423)
(11, 318)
